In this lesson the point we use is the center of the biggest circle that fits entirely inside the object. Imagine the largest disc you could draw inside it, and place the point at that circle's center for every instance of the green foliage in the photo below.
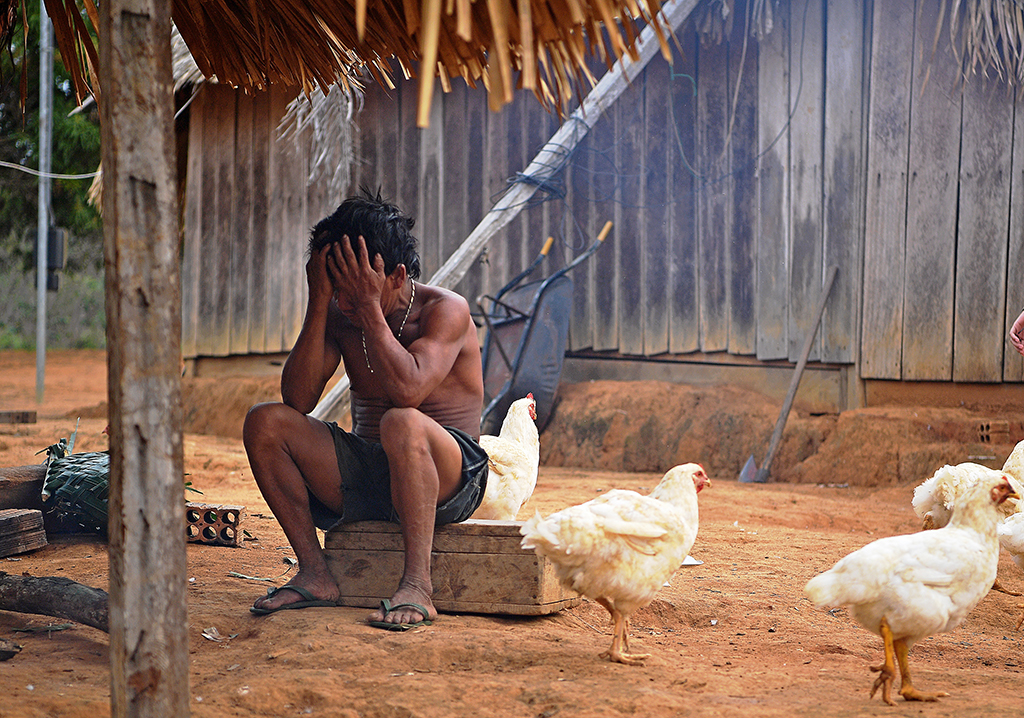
(76, 150)
(75, 314)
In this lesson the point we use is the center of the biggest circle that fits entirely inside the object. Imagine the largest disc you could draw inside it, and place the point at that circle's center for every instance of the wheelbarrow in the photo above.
(527, 331)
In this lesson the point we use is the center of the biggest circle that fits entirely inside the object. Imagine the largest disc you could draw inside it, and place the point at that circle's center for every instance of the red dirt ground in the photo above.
(732, 637)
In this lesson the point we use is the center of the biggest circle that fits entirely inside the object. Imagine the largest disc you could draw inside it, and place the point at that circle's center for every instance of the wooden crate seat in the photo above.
(477, 567)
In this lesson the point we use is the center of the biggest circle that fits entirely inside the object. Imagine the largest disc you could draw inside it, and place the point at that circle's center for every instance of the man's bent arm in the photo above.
(316, 355)
(408, 376)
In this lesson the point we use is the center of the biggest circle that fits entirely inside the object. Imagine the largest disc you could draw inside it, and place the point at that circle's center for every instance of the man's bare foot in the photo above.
(316, 588)
(406, 613)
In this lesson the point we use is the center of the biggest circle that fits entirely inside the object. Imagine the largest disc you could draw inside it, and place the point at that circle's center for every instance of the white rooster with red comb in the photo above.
(514, 460)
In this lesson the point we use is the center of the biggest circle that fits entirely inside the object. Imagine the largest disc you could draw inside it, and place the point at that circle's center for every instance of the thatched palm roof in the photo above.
(318, 43)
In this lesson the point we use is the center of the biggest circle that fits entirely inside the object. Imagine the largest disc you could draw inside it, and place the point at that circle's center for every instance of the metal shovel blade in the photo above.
(748, 474)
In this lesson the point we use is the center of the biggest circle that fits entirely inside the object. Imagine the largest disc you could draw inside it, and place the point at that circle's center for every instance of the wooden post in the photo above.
(548, 162)
(148, 639)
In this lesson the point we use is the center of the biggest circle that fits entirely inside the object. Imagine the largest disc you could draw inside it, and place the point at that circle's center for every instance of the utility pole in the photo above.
(45, 153)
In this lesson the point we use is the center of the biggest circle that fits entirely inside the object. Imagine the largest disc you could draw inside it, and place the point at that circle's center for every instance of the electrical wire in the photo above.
(46, 175)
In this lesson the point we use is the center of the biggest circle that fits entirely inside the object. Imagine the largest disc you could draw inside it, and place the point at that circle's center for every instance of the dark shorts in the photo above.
(366, 482)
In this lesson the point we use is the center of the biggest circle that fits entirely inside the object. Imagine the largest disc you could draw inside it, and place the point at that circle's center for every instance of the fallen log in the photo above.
(57, 597)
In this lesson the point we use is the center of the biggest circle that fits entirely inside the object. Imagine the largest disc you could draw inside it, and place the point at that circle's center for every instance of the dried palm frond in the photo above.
(322, 126)
(714, 19)
(987, 36)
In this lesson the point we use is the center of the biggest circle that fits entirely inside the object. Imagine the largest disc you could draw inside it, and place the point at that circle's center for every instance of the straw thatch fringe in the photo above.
(321, 127)
(319, 43)
(987, 37)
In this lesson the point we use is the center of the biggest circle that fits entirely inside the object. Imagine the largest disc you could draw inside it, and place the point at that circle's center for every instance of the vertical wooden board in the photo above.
(515, 231)
(742, 247)
(537, 131)
(1013, 363)
(295, 174)
(582, 231)
(261, 130)
(191, 255)
(714, 229)
(843, 175)
(218, 186)
(474, 178)
(455, 175)
(806, 96)
(605, 262)
(243, 219)
(983, 226)
(388, 117)
(319, 204)
(886, 202)
(656, 215)
(496, 172)
(276, 226)
(684, 312)
(409, 158)
(431, 195)
(629, 151)
(933, 168)
(368, 122)
(773, 83)
(556, 212)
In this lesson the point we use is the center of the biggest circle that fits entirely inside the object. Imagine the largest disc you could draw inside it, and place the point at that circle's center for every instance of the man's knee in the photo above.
(263, 421)
(402, 426)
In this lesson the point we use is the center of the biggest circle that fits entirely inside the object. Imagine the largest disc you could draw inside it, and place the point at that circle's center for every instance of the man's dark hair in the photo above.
(386, 230)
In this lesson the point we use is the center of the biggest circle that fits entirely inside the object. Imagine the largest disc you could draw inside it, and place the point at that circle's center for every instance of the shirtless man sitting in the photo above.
(412, 356)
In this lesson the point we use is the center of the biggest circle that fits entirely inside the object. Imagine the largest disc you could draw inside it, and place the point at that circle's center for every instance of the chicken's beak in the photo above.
(1003, 491)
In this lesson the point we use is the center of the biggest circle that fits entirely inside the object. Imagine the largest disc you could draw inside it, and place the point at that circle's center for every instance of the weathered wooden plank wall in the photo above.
(684, 320)
(248, 212)
(939, 247)
(742, 277)
(773, 83)
(846, 36)
(806, 130)
(885, 239)
(1013, 366)
(934, 156)
(735, 177)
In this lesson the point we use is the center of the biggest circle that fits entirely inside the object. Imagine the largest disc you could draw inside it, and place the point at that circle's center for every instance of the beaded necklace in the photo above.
(408, 309)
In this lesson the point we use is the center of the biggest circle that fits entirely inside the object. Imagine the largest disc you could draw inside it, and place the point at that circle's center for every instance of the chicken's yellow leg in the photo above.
(620, 640)
(907, 689)
(887, 671)
(996, 586)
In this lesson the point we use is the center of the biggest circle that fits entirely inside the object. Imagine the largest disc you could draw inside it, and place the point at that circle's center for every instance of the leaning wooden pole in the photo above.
(148, 638)
(551, 159)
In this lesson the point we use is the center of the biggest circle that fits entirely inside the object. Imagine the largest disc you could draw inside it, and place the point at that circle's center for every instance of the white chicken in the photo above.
(514, 457)
(1014, 464)
(905, 588)
(936, 497)
(1011, 538)
(620, 548)
(1011, 529)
